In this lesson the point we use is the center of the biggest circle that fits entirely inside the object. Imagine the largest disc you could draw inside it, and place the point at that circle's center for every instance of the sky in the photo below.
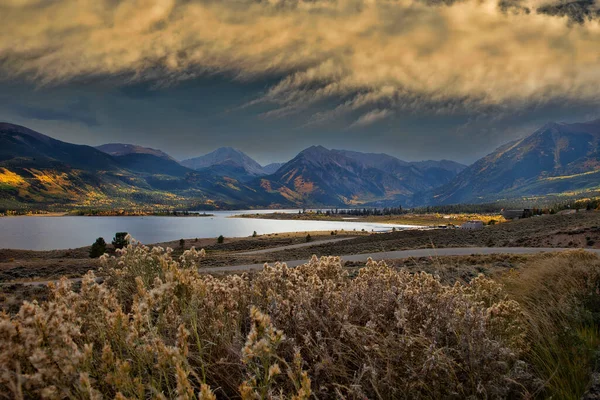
(420, 79)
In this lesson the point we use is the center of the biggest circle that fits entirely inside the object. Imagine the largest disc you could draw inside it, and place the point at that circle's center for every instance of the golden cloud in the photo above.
(397, 52)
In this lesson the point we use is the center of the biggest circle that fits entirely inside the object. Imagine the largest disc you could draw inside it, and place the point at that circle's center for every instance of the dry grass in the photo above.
(561, 301)
(156, 328)
(402, 219)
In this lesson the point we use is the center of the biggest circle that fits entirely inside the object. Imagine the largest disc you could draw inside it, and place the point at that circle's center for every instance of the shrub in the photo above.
(254, 234)
(156, 325)
(220, 239)
(98, 248)
(120, 240)
(182, 243)
(492, 222)
(308, 237)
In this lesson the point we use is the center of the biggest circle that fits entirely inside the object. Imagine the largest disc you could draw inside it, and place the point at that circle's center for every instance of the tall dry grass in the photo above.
(156, 328)
(560, 298)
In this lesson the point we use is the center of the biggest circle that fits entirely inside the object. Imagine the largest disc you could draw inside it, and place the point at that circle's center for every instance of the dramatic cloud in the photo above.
(374, 55)
(371, 117)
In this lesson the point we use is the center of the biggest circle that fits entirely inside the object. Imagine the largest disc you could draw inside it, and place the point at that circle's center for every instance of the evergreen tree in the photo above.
(98, 248)
(120, 240)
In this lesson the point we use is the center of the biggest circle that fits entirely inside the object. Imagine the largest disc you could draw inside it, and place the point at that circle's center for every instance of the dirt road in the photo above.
(389, 255)
(385, 255)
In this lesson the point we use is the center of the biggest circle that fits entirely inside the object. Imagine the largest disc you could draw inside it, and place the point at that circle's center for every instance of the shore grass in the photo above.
(403, 219)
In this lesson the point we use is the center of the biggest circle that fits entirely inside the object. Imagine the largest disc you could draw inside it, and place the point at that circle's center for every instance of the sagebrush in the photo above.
(158, 328)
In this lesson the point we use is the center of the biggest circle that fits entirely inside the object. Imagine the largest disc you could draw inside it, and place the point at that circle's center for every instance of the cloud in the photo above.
(374, 54)
(371, 117)
(79, 111)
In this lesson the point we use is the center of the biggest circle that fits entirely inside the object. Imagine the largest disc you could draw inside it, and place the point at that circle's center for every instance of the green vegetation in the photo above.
(308, 237)
(220, 239)
(182, 243)
(120, 240)
(98, 248)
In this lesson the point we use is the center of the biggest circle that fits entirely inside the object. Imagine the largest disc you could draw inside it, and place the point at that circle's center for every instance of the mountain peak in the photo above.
(7, 127)
(123, 149)
(225, 156)
(531, 166)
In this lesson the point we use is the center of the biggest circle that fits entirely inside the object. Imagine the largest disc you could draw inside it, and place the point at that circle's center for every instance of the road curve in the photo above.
(384, 255)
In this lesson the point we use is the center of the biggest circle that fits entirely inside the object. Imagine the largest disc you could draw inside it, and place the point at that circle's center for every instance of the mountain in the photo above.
(420, 175)
(20, 146)
(120, 149)
(319, 176)
(227, 157)
(271, 168)
(556, 158)
(37, 170)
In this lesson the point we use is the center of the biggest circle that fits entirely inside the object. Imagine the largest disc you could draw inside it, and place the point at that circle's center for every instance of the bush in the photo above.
(182, 243)
(254, 234)
(156, 325)
(492, 222)
(120, 240)
(308, 238)
(220, 239)
(98, 248)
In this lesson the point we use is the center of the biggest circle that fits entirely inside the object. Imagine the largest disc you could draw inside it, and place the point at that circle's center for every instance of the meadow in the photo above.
(157, 328)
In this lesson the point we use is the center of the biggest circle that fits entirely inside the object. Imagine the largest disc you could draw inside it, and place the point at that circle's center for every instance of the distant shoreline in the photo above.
(108, 214)
(416, 220)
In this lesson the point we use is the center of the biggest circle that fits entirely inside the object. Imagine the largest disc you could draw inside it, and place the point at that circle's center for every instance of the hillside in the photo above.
(318, 176)
(37, 171)
(557, 158)
(120, 149)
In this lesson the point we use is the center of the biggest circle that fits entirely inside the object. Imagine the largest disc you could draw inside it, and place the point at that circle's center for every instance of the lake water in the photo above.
(48, 233)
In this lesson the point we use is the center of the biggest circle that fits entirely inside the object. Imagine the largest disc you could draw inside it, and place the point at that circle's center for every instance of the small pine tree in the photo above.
(254, 234)
(220, 239)
(181, 243)
(98, 248)
(308, 238)
(120, 240)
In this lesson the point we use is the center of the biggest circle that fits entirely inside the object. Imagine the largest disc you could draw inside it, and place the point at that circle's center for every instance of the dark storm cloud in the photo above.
(272, 77)
(80, 111)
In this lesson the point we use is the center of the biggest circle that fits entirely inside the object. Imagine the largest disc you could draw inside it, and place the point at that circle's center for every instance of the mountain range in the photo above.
(37, 171)
(557, 158)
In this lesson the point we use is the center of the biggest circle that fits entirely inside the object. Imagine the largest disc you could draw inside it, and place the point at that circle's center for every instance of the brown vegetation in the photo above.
(158, 328)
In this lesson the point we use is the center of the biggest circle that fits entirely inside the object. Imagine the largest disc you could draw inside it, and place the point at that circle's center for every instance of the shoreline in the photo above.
(408, 220)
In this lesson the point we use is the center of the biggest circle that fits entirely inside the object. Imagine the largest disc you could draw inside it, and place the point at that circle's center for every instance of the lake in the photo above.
(49, 233)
